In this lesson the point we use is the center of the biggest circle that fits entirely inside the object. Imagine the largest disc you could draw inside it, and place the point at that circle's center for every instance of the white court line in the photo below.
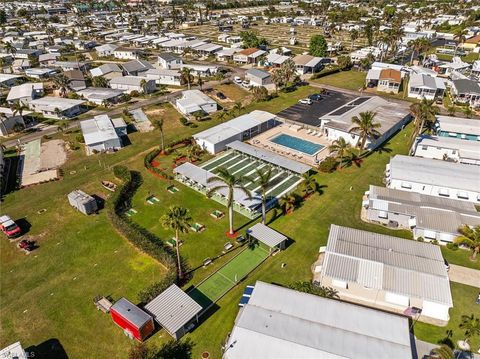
(226, 277)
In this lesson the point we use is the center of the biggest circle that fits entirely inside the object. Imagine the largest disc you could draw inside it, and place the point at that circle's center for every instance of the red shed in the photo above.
(134, 321)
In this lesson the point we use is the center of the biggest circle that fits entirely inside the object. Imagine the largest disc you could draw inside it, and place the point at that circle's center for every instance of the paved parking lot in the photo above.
(309, 114)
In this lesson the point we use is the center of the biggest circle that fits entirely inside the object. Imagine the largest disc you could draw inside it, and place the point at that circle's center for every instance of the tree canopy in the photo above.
(318, 46)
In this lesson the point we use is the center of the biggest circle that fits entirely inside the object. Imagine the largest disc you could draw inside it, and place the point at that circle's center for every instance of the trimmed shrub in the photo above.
(452, 246)
(328, 165)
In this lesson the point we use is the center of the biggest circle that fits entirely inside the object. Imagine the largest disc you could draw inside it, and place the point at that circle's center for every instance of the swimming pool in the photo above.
(297, 144)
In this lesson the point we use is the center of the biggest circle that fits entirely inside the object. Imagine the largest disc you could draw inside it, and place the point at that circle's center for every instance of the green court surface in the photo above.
(210, 290)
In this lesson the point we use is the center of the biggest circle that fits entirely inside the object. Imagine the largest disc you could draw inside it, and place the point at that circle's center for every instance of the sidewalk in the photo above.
(464, 275)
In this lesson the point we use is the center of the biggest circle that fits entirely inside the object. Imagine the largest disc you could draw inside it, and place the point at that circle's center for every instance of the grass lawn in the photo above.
(80, 257)
(167, 112)
(463, 304)
(351, 80)
(234, 93)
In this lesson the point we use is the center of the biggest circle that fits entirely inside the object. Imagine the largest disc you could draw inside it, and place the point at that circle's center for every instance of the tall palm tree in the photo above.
(471, 325)
(340, 147)
(18, 107)
(230, 182)
(418, 45)
(158, 124)
(365, 126)
(200, 82)
(264, 177)
(287, 203)
(187, 77)
(424, 112)
(468, 112)
(309, 184)
(470, 237)
(288, 70)
(237, 107)
(177, 219)
(460, 35)
(61, 82)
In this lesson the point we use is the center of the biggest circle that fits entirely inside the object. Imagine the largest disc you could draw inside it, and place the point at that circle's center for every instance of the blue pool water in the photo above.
(297, 144)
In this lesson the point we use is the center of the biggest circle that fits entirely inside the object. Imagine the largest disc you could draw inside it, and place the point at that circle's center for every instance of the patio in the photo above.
(314, 136)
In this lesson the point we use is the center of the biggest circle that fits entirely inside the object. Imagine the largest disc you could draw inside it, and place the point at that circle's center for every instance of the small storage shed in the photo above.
(267, 237)
(82, 202)
(175, 311)
(134, 321)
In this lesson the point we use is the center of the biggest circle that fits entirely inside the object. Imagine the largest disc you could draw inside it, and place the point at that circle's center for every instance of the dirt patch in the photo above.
(53, 154)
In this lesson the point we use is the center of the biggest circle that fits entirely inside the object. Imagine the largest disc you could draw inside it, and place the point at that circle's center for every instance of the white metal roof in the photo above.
(266, 235)
(24, 90)
(435, 172)
(459, 125)
(98, 129)
(50, 103)
(173, 308)
(466, 149)
(282, 323)
(404, 266)
(13, 351)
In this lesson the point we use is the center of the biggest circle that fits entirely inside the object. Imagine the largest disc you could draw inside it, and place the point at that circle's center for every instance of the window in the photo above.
(443, 192)
(406, 185)
(424, 148)
(462, 195)
(383, 214)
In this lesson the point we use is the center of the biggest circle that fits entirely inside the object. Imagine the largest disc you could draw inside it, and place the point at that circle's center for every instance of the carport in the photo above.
(267, 237)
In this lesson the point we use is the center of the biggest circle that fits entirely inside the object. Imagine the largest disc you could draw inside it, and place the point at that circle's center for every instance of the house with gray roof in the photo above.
(195, 101)
(164, 76)
(466, 91)
(57, 107)
(25, 93)
(457, 127)
(434, 177)
(387, 273)
(279, 322)
(101, 95)
(258, 77)
(106, 50)
(169, 61)
(175, 311)
(447, 148)
(109, 71)
(423, 86)
(103, 134)
(136, 67)
(391, 116)
(133, 83)
(429, 217)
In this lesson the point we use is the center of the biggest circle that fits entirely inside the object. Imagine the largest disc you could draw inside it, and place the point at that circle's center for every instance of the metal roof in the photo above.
(98, 129)
(279, 322)
(24, 90)
(129, 80)
(459, 125)
(50, 103)
(466, 86)
(173, 308)
(266, 235)
(258, 73)
(466, 149)
(270, 157)
(408, 267)
(131, 312)
(425, 81)
(435, 172)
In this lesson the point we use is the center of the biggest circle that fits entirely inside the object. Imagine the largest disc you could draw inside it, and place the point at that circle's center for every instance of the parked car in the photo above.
(315, 97)
(305, 101)
(9, 227)
(27, 245)
(240, 239)
(221, 96)
(246, 84)
(237, 79)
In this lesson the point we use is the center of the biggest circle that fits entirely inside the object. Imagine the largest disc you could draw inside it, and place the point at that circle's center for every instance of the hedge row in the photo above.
(147, 161)
(326, 71)
(137, 235)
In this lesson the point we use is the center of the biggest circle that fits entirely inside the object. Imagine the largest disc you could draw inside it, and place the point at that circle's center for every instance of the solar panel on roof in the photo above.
(341, 111)
(359, 101)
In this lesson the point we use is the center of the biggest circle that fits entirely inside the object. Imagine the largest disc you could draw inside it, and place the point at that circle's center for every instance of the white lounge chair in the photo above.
(309, 131)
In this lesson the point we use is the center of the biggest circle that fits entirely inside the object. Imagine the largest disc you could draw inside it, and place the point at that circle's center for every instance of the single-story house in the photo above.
(101, 95)
(133, 83)
(103, 134)
(109, 71)
(466, 91)
(48, 59)
(276, 60)
(126, 53)
(9, 80)
(40, 72)
(10, 121)
(448, 149)
(164, 76)
(76, 80)
(71, 65)
(57, 107)
(215, 139)
(175, 311)
(201, 70)
(136, 67)
(195, 101)
(423, 86)
(434, 177)
(278, 322)
(248, 56)
(207, 49)
(106, 50)
(305, 64)
(457, 127)
(258, 77)
(25, 93)
(383, 272)
(226, 54)
(21, 65)
(429, 217)
(472, 44)
(169, 61)
(389, 81)
(392, 116)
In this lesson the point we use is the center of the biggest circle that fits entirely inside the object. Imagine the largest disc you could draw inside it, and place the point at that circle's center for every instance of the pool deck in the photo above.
(263, 141)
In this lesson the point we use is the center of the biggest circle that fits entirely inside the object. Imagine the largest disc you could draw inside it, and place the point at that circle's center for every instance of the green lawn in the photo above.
(351, 80)
(48, 294)
(464, 298)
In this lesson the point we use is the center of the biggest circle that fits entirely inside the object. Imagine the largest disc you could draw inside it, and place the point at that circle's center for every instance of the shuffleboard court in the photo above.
(220, 282)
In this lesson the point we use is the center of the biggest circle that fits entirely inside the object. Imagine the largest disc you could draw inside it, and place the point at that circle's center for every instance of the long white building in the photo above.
(448, 149)
(434, 177)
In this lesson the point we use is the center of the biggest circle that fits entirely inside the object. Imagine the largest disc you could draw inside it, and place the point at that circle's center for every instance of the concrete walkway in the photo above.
(464, 275)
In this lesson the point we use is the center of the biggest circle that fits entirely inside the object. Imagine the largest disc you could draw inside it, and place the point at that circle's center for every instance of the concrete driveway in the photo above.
(464, 275)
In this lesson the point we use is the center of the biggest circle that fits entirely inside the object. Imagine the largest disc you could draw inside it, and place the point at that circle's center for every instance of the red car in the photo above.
(9, 227)
(27, 245)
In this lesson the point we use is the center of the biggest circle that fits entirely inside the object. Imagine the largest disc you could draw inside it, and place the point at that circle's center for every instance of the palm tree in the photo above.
(61, 82)
(424, 113)
(365, 126)
(264, 178)
(352, 156)
(468, 112)
(471, 325)
(222, 116)
(99, 81)
(143, 82)
(451, 110)
(309, 184)
(470, 237)
(18, 107)
(177, 219)
(158, 124)
(442, 352)
(287, 203)
(418, 45)
(187, 77)
(278, 78)
(200, 82)
(288, 70)
(12, 50)
(230, 182)
(460, 35)
(237, 107)
(340, 147)
(353, 36)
